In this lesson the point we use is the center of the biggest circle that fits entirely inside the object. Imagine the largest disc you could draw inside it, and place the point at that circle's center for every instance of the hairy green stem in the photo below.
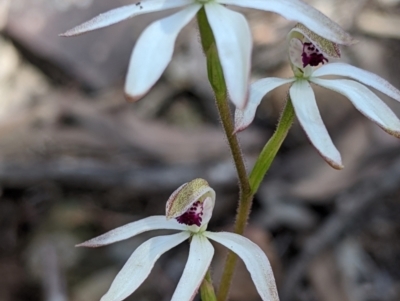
(217, 81)
(245, 196)
(260, 168)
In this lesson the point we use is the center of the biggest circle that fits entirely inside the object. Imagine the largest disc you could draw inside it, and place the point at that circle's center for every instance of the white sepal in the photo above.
(234, 43)
(200, 255)
(365, 101)
(299, 11)
(122, 13)
(140, 264)
(243, 118)
(366, 77)
(132, 229)
(255, 260)
(153, 51)
(307, 113)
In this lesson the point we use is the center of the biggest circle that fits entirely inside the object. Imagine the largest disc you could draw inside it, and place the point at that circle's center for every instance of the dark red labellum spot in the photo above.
(193, 216)
(312, 56)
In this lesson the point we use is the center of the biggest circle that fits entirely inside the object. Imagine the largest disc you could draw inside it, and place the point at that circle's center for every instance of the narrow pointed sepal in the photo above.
(366, 102)
(153, 52)
(243, 118)
(132, 229)
(140, 264)
(122, 13)
(307, 113)
(234, 43)
(363, 76)
(200, 255)
(255, 260)
(301, 12)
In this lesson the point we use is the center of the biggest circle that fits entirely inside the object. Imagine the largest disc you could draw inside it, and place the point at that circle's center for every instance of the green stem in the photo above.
(270, 150)
(217, 81)
(245, 196)
(228, 125)
(242, 216)
(260, 168)
(206, 289)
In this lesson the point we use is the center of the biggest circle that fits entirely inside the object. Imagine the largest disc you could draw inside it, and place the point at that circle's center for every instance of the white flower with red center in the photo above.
(153, 50)
(307, 52)
(188, 210)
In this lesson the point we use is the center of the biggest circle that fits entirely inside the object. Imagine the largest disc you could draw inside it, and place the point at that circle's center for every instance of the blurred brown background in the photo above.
(76, 160)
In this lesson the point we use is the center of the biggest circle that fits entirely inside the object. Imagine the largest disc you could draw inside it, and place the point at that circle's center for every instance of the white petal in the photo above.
(307, 112)
(153, 51)
(366, 77)
(140, 264)
(200, 255)
(234, 43)
(299, 11)
(258, 89)
(132, 229)
(255, 260)
(125, 12)
(365, 101)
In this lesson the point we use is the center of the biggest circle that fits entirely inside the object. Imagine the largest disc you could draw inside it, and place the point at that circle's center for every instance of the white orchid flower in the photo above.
(307, 51)
(154, 48)
(188, 210)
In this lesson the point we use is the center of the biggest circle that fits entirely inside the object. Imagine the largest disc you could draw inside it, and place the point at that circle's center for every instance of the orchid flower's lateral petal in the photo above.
(132, 229)
(299, 11)
(366, 102)
(153, 51)
(125, 12)
(140, 264)
(234, 43)
(255, 260)
(200, 255)
(208, 207)
(243, 118)
(295, 52)
(366, 77)
(307, 112)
